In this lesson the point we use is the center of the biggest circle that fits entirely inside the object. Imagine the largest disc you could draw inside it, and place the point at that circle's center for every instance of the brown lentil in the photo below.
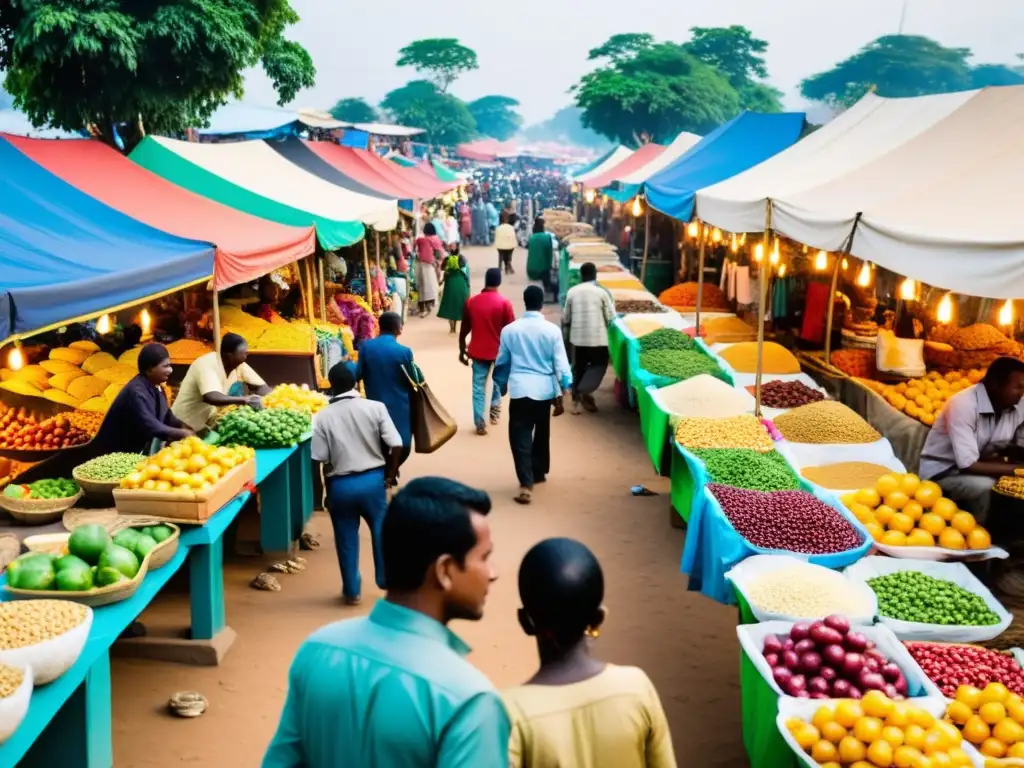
(846, 475)
(775, 358)
(11, 679)
(825, 422)
(732, 432)
(786, 394)
(638, 306)
(30, 622)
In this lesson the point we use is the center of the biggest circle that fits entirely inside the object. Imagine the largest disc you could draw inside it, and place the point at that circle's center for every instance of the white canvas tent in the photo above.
(616, 157)
(679, 147)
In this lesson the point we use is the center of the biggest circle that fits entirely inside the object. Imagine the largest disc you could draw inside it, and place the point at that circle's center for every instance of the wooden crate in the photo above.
(194, 508)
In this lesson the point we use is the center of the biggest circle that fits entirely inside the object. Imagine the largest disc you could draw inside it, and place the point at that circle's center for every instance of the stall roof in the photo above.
(298, 152)
(252, 177)
(444, 173)
(616, 156)
(679, 146)
(593, 164)
(400, 159)
(635, 161)
(247, 247)
(743, 142)
(385, 177)
(65, 255)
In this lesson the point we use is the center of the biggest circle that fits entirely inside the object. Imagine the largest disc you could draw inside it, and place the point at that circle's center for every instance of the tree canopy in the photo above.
(737, 54)
(441, 59)
(420, 104)
(353, 110)
(496, 116)
(162, 66)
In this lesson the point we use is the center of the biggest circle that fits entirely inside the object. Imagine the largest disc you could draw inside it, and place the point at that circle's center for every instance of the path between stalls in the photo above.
(685, 642)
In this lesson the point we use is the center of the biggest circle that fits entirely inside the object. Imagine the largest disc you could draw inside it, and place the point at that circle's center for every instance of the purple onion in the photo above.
(828, 673)
(833, 655)
(871, 681)
(805, 645)
(817, 685)
(890, 672)
(853, 664)
(790, 660)
(772, 644)
(782, 676)
(838, 622)
(800, 631)
(810, 662)
(823, 635)
(841, 688)
(772, 659)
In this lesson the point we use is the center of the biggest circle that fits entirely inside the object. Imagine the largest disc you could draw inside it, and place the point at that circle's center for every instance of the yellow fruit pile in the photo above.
(877, 731)
(924, 398)
(905, 511)
(296, 398)
(991, 719)
(186, 466)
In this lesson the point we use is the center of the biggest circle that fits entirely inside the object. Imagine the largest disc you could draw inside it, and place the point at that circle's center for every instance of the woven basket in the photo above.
(38, 511)
(94, 598)
(101, 490)
(162, 553)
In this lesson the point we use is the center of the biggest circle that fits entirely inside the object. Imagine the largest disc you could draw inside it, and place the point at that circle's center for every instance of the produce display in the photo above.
(991, 718)
(703, 395)
(665, 338)
(679, 364)
(80, 376)
(795, 521)
(825, 422)
(59, 488)
(879, 731)
(786, 394)
(776, 359)
(637, 306)
(844, 475)
(268, 428)
(87, 421)
(265, 336)
(924, 398)
(727, 330)
(733, 432)
(20, 430)
(855, 362)
(30, 622)
(801, 590)
(187, 350)
(641, 326)
(684, 295)
(918, 597)
(110, 467)
(952, 666)
(974, 346)
(609, 268)
(743, 468)
(1011, 485)
(186, 466)
(295, 398)
(905, 511)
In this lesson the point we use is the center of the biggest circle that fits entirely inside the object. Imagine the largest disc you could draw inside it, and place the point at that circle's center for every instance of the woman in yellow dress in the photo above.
(578, 710)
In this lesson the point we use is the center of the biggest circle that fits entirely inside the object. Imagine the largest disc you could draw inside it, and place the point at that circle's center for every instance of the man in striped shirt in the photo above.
(588, 311)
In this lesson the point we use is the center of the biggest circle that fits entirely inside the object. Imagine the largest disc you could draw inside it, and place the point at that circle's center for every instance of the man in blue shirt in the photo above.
(384, 368)
(533, 369)
(392, 690)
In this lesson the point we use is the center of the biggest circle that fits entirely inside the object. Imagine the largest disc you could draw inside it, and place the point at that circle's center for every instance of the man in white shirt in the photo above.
(505, 241)
(350, 436)
(213, 381)
(588, 311)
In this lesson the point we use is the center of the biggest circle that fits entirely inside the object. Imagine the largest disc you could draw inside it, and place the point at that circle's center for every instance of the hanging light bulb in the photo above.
(1006, 313)
(103, 325)
(145, 321)
(864, 278)
(774, 258)
(759, 252)
(735, 244)
(782, 270)
(15, 360)
(637, 208)
(589, 195)
(805, 247)
(821, 261)
(908, 290)
(743, 239)
(716, 235)
(945, 311)
(846, 264)
(692, 229)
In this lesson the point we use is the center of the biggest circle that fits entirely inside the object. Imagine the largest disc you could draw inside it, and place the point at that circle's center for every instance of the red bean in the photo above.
(796, 521)
(950, 666)
(787, 394)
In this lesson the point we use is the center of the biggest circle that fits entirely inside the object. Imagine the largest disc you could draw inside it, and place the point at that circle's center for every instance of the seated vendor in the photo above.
(139, 413)
(977, 437)
(214, 381)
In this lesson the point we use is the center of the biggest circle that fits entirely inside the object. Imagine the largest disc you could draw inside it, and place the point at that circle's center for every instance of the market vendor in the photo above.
(978, 438)
(216, 380)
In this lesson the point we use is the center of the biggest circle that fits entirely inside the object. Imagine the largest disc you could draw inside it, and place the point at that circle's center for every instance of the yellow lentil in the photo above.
(776, 359)
(846, 475)
(641, 326)
(732, 432)
(30, 622)
(824, 422)
(10, 680)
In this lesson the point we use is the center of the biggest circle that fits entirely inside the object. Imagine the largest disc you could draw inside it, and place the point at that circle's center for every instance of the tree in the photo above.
(737, 54)
(985, 75)
(623, 46)
(162, 66)
(421, 104)
(896, 66)
(659, 90)
(566, 126)
(353, 111)
(441, 59)
(496, 116)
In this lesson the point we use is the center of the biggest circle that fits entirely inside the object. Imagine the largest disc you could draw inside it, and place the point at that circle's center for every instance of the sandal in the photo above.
(524, 497)
(495, 415)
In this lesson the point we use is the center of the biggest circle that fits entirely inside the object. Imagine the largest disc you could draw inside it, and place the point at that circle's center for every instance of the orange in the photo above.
(979, 538)
(876, 704)
(970, 696)
(894, 539)
(952, 539)
(951, 732)
(959, 757)
(1017, 751)
(994, 692)
(901, 523)
(848, 712)
(921, 717)
(880, 754)
(897, 500)
(869, 497)
(906, 757)
(823, 751)
(909, 483)
(919, 538)
(963, 522)
(959, 712)
(851, 750)
(149, 485)
(886, 484)
(848, 499)
(868, 729)
(822, 715)
(884, 513)
(992, 712)
(992, 748)
(976, 730)
(153, 470)
(833, 731)
(944, 508)
(862, 512)
(1015, 709)
(932, 523)
(875, 531)
(1008, 731)
(934, 741)
(893, 735)
(913, 510)
(167, 475)
(162, 486)
(898, 716)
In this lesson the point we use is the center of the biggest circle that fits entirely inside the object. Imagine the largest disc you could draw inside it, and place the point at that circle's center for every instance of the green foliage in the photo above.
(737, 54)
(985, 75)
(896, 66)
(162, 66)
(566, 126)
(623, 46)
(353, 111)
(496, 116)
(442, 59)
(420, 104)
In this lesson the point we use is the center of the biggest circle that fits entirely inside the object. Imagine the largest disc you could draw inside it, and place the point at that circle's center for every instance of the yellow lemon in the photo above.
(902, 523)
(963, 522)
(944, 508)
(932, 523)
(913, 510)
(897, 500)
(884, 513)
(909, 483)
(920, 538)
(886, 484)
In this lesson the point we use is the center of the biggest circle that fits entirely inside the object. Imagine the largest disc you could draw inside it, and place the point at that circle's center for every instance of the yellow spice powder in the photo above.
(845, 475)
(776, 358)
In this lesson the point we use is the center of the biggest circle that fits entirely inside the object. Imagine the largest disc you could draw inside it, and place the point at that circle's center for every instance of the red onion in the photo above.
(833, 655)
(772, 644)
(817, 685)
(852, 664)
(854, 693)
(871, 664)
(901, 685)
(782, 676)
(871, 681)
(841, 688)
(891, 692)
(802, 695)
(838, 622)
(817, 695)
(805, 645)
(856, 642)
(828, 673)
(772, 659)
(787, 644)
(800, 631)
(790, 659)
(890, 672)
(810, 662)
(823, 635)
(797, 683)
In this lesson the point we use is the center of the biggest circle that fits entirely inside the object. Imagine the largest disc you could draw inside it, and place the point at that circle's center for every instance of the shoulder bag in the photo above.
(432, 426)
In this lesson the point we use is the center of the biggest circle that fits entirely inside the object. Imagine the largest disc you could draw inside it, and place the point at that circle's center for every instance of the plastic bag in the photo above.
(744, 574)
(751, 637)
(871, 567)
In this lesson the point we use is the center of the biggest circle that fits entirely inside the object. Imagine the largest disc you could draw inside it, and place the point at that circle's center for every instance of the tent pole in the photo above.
(647, 243)
(216, 320)
(762, 299)
(417, 224)
(844, 251)
(308, 264)
(376, 246)
(700, 278)
(366, 269)
(323, 290)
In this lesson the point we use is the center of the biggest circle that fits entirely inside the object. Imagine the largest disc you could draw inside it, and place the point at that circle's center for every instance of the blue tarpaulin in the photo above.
(732, 148)
(355, 139)
(65, 255)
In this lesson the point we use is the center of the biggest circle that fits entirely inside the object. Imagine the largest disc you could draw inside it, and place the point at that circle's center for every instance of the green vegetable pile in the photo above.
(914, 596)
(113, 466)
(270, 428)
(665, 338)
(743, 468)
(679, 364)
(59, 488)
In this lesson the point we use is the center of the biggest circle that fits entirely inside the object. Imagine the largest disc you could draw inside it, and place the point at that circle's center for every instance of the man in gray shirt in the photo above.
(361, 450)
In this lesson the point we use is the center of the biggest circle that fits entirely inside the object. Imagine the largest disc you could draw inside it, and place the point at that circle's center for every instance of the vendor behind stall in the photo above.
(214, 381)
(977, 437)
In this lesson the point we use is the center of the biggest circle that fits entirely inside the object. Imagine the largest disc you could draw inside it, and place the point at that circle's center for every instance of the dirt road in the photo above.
(686, 643)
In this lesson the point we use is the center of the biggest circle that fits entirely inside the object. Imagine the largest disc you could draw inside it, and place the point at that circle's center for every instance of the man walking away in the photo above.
(349, 436)
(505, 241)
(588, 311)
(532, 366)
(392, 689)
(483, 318)
(492, 221)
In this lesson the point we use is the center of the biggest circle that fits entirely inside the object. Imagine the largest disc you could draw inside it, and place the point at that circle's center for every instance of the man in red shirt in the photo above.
(483, 318)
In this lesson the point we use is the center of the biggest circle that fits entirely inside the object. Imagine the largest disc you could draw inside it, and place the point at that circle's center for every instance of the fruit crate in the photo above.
(186, 508)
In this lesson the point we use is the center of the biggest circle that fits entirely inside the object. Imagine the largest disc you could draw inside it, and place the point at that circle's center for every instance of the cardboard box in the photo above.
(194, 508)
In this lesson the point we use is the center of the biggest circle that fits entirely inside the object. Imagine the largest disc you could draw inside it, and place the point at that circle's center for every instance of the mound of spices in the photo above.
(727, 330)
(665, 338)
(703, 395)
(734, 432)
(641, 326)
(679, 364)
(743, 468)
(637, 306)
(845, 475)
(685, 295)
(795, 521)
(825, 422)
(786, 394)
(775, 358)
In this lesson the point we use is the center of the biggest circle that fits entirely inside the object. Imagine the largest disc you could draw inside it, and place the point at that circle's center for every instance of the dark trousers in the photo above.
(584, 359)
(529, 435)
(350, 498)
(505, 260)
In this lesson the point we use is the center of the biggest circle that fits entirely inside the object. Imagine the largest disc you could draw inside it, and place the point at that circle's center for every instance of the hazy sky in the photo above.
(534, 50)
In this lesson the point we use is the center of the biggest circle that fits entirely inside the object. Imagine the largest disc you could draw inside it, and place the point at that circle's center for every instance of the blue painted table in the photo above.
(69, 720)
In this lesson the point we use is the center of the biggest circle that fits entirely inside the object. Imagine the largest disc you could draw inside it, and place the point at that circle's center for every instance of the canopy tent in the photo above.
(400, 159)
(443, 172)
(593, 164)
(617, 156)
(251, 122)
(385, 129)
(296, 151)
(252, 177)
(247, 247)
(743, 142)
(626, 186)
(485, 150)
(66, 256)
(634, 162)
(388, 178)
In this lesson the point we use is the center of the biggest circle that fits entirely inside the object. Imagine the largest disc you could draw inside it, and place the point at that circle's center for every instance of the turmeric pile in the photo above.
(775, 358)
(685, 295)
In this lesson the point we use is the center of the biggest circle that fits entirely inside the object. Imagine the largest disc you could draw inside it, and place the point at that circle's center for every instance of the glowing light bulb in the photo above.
(945, 311)
(821, 261)
(637, 208)
(145, 321)
(805, 248)
(716, 235)
(774, 257)
(1006, 313)
(782, 270)
(103, 325)
(743, 239)
(735, 244)
(864, 278)
(693, 229)
(590, 195)
(908, 290)
(15, 360)
(759, 252)
(846, 264)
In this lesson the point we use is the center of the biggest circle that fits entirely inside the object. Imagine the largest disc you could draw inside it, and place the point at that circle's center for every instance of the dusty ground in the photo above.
(686, 643)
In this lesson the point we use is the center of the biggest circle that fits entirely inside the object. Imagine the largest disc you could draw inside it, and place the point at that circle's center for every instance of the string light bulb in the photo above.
(945, 311)
(864, 278)
(743, 239)
(908, 290)
(637, 208)
(821, 261)
(782, 270)
(716, 235)
(145, 321)
(759, 252)
(774, 257)
(845, 264)
(735, 244)
(103, 325)
(693, 229)
(1006, 313)
(15, 360)
(589, 196)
